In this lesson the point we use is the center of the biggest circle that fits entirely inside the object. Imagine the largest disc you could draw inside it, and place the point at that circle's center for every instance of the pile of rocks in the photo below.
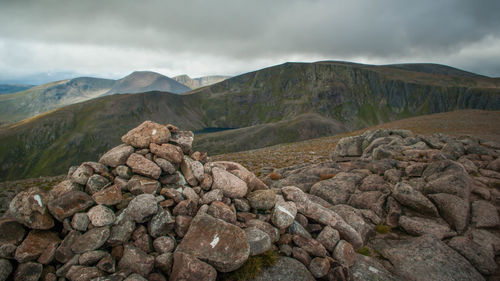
(424, 207)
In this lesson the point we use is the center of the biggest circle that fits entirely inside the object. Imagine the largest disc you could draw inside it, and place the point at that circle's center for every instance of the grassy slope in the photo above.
(479, 123)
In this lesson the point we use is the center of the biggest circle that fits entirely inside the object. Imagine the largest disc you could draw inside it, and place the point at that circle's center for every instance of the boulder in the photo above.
(145, 134)
(169, 152)
(273, 232)
(283, 214)
(188, 268)
(184, 139)
(96, 183)
(223, 245)
(421, 226)
(283, 270)
(64, 253)
(162, 223)
(328, 237)
(11, 232)
(35, 244)
(192, 170)
(91, 240)
(231, 185)
(482, 258)
(117, 155)
(165, 165)
(164, 244)
(258, 240)
(222, 211)
(349, 147)
(408, 196)
(142, 208)
(319, 267)
(344, 253)
(484, 214)
(122, 229)
(101, 215)
(262, 199)
(30, 208)
(367, 268)
(425, 258)
(453, 209)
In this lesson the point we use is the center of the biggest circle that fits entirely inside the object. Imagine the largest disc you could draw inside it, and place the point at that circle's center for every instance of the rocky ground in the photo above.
(388, 205)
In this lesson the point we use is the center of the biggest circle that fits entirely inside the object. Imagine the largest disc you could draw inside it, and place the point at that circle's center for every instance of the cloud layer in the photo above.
(114, 37)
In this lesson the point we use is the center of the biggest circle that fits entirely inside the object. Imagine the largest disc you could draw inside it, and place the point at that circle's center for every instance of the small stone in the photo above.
(272, 231)
(165, 165)
(143, 166)
(64, 253)
(241, 205)
(30, 271)
(136, 261)
(142, 207)
(262, 199)
(107, 264)
(319, 267)
(124, 171)
(182, 224)
(146, 133)
(186, 208)
(285, 249)
(162, 223)
(344, 253)
(214, 195)
(301, 255)
(328, 237)
(109, 196)
(141, 185)
(192, 170)
(164, 244)
(121, 230)
(70, 203)
(11, 232)
(82, 174)
(101, 215)
(96, 183)
(164, 262)
(80, 221)
(35, 244)
(231, 185)
(142, 240)
(117, 156)
(310, 245)
(184, 139)
(206, 183)
(91, 257)
(258, 240)
(169, 152)
(188, 268)
(284, 214)
(91, 240)
(222, 211)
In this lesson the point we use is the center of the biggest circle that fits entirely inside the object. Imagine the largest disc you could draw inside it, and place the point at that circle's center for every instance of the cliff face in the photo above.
(269, 106)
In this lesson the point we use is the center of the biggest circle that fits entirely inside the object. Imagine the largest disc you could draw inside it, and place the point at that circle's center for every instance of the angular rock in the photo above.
(70, 203)
(192, 170)
(328, 237)
(421, 226)
(30, 271)
(349, 147)
(301, 255)
(109, 196)
(412, 198)
(107, 264)
(91, 240)
(481, 258)
(283, 214)
(101, 215)
(190, 194)
(124, 171)
(65, 186)
(440, 262)
(297, 229)
(63, 270)
(165, 165)
(310, 245)
(117, 156)
(82, 174)
(169, 152)
(373, 200)
(283, 269)
(30, 208)
(142, 208)
(184, 139)
(453, 209)
(182, 224)
(258, 240)
(213, 195)
(484, 214)
(136, 261)
(262, 199)
(140, 185)
(188, 268)
(164, 244)
(164, 262)
(223, 245)
(91, 257)
(64, 253)
(146, 133)
(319, 267)
(11, 232)
(231, 185)
(344, 253)
(266, 227)
(243, 173)
(143, 166)
(186, 208)
(161, 224)
(222, 211)
(5, 269)
(83, 273)
(35, 244)
(121, 230)
(335, 190)
(96, 183)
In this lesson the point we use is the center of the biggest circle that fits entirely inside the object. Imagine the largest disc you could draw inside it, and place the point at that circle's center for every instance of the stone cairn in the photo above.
(151, 209)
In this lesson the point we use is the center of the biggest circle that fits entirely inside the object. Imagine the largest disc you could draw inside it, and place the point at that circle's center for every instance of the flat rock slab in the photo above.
(285, 269)
(146, 133)
(426, 258)
(69, 204)
(220, 244)
(366, 268)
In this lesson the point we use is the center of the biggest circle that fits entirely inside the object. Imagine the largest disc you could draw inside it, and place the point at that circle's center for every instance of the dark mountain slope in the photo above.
(146, 81)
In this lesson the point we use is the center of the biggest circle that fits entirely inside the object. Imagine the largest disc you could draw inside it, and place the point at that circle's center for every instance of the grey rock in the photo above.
(216, 195)
(412, 198)
(96, 183)
(484, 214)
(367, 268)
(231, 185)
(482, 258)
(164, 262)
(283, 214)
(30, 271)
(82, 174)
(453, 209)
(284, 269)
(101, 215)
(142, 207)
(117, 156)
(91, 240)
(328, 237)
(310, 245)
(5, 269)
(143, 166)
(262, 199)
(121, 230)
(421, 226)
(30, 208)
(164, 244)
(91, 257)
(64, 253)
(189, 268)
(165, 165)
(136, 260)
(344, 253)
(11, 232)
(162, 223)
(124, 171)
(80, 221)
(272, 231)
(258, 240)
(184, 139)
(319, 267)
(297, 229)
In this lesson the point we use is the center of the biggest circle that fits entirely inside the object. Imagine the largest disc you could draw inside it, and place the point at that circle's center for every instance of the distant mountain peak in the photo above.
(195, 83)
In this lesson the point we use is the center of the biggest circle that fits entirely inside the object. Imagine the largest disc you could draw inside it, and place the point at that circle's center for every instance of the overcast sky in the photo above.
(111, 38)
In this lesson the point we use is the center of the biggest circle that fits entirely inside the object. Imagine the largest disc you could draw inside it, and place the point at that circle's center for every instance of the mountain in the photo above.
(265, 107)
(146, 81)
(13, 88)
(195, 83)
(40, 99)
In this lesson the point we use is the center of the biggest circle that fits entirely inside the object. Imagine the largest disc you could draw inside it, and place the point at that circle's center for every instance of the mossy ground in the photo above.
(252, 267)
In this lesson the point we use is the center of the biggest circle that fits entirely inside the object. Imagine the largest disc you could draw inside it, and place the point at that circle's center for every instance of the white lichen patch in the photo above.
(215, 241)
(154, 132)
(38, 199)
(285, 211)
(373, 269)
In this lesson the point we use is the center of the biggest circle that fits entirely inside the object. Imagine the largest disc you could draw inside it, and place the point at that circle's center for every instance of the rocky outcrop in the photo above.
(153, 209)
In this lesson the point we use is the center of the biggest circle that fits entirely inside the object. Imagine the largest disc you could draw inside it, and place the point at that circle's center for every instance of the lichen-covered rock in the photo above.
(146, 133)
(91, 240)
(408, 196)
(30, 208)
(143, 166)
(101, 215)
(70, 203)
(258, 240)
(162, 223)
(117, 156)
(319, 267)
(484, 214)
(231, 185)
(283, 214)
(367, 268)
(453, 209)
(136, 260)
(188, 268)
(35, 244)
(223, 245)
(344, 253)
(284, 269)
(142, 207)
(482, 258)
(262, 199)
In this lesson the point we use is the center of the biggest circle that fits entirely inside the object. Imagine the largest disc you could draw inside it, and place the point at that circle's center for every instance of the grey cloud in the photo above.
(240, 30)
